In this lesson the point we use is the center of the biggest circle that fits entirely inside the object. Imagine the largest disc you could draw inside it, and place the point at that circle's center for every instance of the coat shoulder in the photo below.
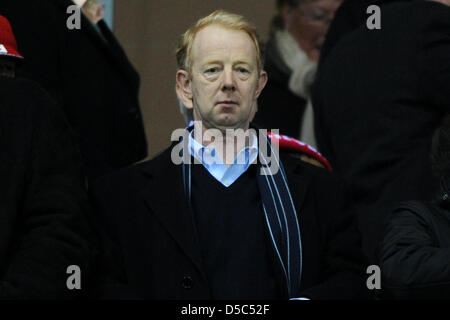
(297, 166)
(132, 178)
(14, 89)
(26, 100)
(417, 14)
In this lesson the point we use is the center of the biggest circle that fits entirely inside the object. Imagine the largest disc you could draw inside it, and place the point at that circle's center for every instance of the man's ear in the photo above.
(253, 111)
(183, 88)
(261, 83)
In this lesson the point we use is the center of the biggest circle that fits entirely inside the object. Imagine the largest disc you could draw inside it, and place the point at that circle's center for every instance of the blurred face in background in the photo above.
(308, 23)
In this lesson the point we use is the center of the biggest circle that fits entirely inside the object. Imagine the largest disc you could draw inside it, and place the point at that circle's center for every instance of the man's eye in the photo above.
(243, 70)
(317, 15)
(211, 70)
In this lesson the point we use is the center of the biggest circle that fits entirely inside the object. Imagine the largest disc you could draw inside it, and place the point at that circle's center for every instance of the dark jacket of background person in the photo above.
(378, 98)
(278, 107)
(415, 252)
(350, 15)
(88, 75)
(42, 196)
(149, 248)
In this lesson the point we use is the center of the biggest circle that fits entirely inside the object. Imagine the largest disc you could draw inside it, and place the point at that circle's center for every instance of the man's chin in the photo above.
(224, 122)
(230, 124)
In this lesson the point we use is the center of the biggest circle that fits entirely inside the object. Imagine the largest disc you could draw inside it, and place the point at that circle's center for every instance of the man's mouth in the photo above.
(227, 103)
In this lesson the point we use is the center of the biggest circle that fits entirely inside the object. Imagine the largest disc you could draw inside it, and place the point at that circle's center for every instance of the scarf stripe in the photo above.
(297, 225)
(285, 245)
(276, 248)
(274, 202)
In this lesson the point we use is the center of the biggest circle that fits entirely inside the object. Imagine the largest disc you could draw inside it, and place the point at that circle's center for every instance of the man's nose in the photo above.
(228, 82)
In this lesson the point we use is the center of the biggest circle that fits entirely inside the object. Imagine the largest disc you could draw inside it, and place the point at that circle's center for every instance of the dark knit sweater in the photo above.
(231, 228)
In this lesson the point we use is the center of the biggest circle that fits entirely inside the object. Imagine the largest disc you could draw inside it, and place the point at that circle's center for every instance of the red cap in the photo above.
(8, 44)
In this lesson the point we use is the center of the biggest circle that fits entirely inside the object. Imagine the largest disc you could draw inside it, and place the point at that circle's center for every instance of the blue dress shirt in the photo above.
(213, 163)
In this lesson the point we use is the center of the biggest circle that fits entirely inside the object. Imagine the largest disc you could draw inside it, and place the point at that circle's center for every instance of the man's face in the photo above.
(224, 82)
(309, 22)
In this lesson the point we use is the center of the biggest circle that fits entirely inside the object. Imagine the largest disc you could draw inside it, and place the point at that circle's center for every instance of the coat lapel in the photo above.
(164, 197)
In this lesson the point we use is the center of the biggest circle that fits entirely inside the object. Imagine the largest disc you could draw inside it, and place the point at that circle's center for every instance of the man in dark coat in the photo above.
(43, 231)
(87, 72)
(379, 96)
(188, 228)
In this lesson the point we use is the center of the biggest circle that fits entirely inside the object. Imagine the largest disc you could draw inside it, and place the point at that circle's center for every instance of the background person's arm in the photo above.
(411, 263)
(51, 227)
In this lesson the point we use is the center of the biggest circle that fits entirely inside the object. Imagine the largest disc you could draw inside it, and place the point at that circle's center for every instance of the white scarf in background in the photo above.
(303, 69)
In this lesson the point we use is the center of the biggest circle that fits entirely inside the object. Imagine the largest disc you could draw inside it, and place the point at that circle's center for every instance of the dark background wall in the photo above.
(148, 30)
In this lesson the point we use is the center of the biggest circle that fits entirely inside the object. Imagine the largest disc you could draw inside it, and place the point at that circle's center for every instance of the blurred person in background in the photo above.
(43, 227)
(379, 96)
(291, 54)
(87, 73)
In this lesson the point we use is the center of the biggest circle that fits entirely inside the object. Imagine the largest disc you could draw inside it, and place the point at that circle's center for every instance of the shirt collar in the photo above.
(197, 150)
